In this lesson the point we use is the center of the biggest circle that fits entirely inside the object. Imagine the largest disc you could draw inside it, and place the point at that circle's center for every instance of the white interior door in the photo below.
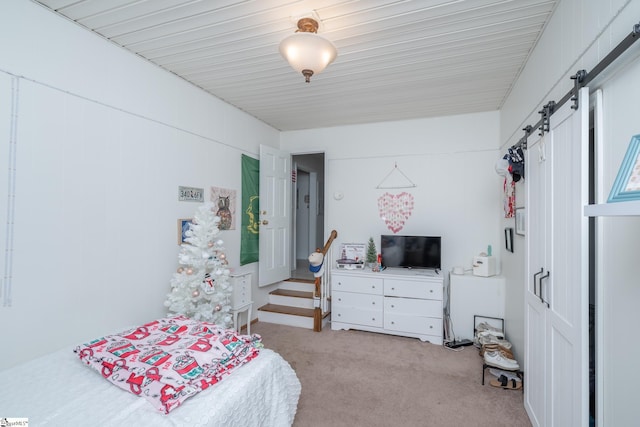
(275, 216)
(567, 292)
(535, 310)
(556, 299)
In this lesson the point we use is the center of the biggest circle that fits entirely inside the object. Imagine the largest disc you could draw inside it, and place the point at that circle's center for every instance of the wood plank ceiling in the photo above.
(397, 59)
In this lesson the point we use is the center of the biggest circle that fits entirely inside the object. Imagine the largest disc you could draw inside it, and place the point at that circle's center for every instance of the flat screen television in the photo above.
(410, 251)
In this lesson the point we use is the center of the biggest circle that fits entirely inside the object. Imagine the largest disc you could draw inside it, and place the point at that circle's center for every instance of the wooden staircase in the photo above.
(291, 304)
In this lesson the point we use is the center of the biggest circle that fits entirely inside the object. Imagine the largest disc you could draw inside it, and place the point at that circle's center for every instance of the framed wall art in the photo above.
(183, 226)
(521, 218)
(627, 184)
(224, 200)
(508, 239)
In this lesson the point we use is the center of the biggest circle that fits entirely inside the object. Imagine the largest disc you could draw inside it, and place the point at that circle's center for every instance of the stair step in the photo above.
(312, 281)
(283, 309)
(292, 293)
(297, 285)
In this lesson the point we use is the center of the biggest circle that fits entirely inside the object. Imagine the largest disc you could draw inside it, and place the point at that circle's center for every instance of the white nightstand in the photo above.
(241, 299)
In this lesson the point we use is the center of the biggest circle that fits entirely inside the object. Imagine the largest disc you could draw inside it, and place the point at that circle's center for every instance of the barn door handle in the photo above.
(546, 276)
(535, 281)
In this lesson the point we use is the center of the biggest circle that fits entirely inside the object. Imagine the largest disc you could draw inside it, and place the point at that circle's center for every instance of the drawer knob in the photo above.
(373, 318)
(339, 314)
(373, 287)
(393, 306)
(431, 290)
(374, 303)
(393, 323)
(393, 289)
(431, 327)
(339, 299)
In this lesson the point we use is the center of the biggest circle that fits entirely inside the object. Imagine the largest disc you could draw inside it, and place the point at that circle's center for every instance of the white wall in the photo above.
(104, 139)
(579, 35)
(449, 159)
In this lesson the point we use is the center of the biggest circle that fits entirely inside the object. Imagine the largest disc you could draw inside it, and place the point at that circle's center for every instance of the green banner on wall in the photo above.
(249, 244)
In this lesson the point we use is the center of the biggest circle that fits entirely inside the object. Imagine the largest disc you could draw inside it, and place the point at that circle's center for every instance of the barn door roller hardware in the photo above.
(581, 79)
(578, 82)
(547, 110)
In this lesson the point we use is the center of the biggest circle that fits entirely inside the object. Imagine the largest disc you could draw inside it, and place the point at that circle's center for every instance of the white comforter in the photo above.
(264, 392)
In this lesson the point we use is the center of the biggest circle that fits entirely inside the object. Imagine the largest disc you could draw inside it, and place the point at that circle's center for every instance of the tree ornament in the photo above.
(195, 293)
(222, 256)
(189, 271)
(218, 307)
(180, 270)
(210, 244)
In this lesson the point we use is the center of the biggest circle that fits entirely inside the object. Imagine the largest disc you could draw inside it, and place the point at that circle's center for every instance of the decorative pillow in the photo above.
(170, 359)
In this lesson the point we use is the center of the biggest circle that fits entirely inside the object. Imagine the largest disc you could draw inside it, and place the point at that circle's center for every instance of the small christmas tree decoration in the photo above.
(372, 252)
(202, 268)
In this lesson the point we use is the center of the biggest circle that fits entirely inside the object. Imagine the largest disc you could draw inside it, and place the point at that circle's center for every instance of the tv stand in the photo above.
(405, 302)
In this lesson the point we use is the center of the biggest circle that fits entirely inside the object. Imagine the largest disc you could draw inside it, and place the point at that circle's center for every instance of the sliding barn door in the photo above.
(556, 299)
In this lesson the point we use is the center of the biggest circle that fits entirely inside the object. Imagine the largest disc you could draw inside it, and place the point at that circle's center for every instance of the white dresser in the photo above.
(397, 302)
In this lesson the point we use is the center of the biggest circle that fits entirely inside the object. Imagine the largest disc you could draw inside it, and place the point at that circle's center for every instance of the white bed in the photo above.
(58, 390)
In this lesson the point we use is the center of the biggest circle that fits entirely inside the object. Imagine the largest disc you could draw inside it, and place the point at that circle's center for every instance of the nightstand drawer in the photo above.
(412, 289)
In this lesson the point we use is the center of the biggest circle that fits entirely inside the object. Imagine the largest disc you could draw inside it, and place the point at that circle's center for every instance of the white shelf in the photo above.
(631, 208)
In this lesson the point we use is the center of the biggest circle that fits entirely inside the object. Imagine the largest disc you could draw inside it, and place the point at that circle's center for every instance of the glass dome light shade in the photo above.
(308, 51)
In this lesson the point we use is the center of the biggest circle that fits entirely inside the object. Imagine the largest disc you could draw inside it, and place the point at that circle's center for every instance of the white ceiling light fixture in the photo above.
(306, 51)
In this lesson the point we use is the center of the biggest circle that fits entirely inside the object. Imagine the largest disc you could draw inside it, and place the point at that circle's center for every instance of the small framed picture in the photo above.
(521, 218)
(508, 239)
(627, 184)
(183, 226)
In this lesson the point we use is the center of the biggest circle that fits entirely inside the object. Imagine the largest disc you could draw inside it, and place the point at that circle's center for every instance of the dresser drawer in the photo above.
(412, 289)
(413, 324)
(241, 290)
(360, 301)
(363, 285)
(412, 307)
(356, 316)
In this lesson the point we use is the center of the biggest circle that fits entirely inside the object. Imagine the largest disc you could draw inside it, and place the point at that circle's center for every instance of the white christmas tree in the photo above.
(200, 286)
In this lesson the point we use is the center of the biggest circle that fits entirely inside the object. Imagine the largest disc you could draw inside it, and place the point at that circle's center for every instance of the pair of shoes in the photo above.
(506, 383)
(484, 339)
(484, 328)
(497, 347)
(496, 359)
(499, 372)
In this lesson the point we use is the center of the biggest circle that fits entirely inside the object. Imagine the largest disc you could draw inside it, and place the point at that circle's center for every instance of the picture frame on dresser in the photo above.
(627, 184)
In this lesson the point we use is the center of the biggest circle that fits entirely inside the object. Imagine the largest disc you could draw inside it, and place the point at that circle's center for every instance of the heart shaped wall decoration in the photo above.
(395, 209)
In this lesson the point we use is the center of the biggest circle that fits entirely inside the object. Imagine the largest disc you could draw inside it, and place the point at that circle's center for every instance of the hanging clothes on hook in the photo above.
(508, 187)
(515, 156)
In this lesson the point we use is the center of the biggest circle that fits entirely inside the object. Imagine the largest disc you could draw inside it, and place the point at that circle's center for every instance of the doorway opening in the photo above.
(307, 211)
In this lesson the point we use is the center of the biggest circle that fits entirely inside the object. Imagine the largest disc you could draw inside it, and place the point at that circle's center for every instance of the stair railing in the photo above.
(322, 284)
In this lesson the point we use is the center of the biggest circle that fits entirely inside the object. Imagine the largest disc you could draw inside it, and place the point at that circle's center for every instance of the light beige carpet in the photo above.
(354, 378)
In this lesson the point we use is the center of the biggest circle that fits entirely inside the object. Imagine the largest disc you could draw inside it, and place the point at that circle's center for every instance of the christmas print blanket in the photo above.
(169, 360)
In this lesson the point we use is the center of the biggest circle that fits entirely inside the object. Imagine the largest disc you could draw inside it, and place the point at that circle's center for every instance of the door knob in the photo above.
(265, 222)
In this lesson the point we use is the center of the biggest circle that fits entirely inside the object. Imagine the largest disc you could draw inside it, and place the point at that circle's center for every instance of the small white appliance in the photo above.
(484, 266)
